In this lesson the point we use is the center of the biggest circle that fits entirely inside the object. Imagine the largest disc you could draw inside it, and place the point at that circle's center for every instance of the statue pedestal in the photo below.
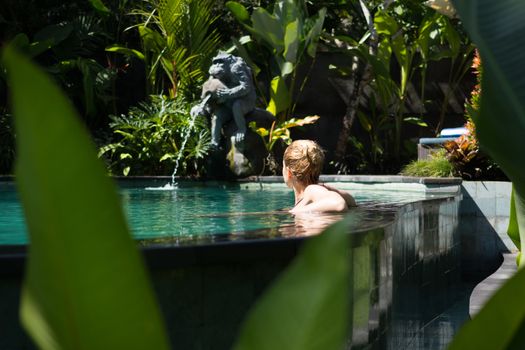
(244, 159)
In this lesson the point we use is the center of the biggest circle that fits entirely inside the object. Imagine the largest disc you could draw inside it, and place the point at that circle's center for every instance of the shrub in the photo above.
(436, 166)
(155, 137)
(470, 162)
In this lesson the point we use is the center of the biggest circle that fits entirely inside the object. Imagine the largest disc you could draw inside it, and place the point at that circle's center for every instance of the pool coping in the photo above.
(484, 290)
(328, 178)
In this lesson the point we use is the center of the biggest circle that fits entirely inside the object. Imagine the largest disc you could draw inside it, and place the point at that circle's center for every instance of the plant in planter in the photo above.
(437, 166)
(470, 162)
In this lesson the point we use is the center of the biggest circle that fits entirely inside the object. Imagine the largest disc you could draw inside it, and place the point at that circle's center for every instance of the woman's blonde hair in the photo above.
(304, 158)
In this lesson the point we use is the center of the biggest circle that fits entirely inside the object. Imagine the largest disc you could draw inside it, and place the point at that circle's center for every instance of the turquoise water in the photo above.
(191, 210)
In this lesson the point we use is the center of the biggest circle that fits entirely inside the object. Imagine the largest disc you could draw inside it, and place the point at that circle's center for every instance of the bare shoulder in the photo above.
(349, 199)
(315, 190)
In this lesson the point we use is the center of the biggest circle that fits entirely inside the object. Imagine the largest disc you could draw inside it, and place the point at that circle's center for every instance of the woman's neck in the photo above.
(298, 190)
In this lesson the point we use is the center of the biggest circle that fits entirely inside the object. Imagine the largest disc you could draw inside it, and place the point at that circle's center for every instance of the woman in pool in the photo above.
(302, 165)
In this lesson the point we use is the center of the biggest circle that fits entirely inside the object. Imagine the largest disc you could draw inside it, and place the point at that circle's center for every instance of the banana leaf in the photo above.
(498, 30)
(85, 285)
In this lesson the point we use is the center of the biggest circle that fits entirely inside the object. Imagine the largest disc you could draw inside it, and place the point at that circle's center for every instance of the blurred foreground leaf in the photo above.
(85, 285)
(498, 30)
(307, 307)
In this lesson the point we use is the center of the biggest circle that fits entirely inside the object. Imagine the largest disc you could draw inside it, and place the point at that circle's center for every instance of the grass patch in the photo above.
(436, 166)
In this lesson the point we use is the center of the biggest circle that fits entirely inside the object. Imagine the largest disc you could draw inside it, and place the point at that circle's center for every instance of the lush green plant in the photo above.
(155, 136)
(470, 162)
(281, 41)
(84, 275)
(411, 35)
(177, 45)
(279, 132)
(436, 166)
(67, 50)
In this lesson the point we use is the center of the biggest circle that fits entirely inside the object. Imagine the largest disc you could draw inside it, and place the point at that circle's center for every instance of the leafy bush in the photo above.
(436, 166)
(277, 44)
(153, 137)
(470, 162)
(178, 42)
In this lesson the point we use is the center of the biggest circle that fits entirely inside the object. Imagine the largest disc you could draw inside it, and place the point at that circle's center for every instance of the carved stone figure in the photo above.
(228, 93)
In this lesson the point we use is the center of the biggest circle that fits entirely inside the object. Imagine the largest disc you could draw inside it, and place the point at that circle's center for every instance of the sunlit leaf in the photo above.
(291, 41)
(384, 23)
(498, 30)
(125, 51)
(416, 121)
(444, 7)
(239, 11)
(268, 28)
(513, 230)
(279, 96)
(85, 286)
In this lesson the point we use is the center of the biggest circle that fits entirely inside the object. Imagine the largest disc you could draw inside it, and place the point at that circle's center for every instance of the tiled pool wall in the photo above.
(404, 278)
(406, 282)
(484, 219)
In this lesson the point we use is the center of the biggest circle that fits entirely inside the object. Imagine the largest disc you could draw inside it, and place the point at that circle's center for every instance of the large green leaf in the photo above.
(498, 30)
(513, 230)
(85, 285)
(384, 23)
(288, 11)
(307, 308)
(269, 28)
(279, 96)
(238, 11)
(499, 325)
(312, 38)
(291, 42)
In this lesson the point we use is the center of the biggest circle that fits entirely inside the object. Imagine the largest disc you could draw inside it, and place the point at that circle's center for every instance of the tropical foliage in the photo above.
(76, 287)
(498, 30)
(470, 162)
(177, 45)
(279, 132)
(154, 137)
(390, 49)
(277, 44)
(84, 274)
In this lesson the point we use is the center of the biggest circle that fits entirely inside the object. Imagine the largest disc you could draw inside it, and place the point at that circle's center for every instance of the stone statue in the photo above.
(228, 93)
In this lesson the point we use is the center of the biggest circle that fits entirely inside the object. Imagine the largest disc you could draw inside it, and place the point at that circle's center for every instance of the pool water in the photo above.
(191, 210)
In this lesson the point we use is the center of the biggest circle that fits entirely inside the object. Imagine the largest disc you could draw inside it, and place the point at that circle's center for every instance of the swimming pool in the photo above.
(406, 287)
(200, 211)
